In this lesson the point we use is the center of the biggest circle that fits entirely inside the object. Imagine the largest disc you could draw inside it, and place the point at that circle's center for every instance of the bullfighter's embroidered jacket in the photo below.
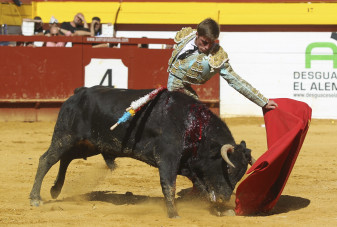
(199, 68)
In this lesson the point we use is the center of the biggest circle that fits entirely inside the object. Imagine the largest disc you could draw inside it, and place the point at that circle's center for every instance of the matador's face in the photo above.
(204, 44)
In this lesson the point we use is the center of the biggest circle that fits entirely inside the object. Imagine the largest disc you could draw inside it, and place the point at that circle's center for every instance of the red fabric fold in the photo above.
(286, 128)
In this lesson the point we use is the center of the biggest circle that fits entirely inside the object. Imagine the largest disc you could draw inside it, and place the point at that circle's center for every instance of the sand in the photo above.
(131, 194)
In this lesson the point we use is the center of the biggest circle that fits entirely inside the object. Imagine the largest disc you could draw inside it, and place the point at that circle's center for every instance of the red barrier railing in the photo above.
(35, 81)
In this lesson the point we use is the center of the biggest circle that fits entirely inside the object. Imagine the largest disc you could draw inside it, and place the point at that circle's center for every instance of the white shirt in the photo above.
(189, 46)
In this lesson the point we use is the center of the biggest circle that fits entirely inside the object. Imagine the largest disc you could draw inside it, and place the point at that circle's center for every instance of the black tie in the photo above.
(188, 53)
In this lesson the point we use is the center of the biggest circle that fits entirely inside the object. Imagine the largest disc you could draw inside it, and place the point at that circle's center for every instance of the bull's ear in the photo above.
(243, 143)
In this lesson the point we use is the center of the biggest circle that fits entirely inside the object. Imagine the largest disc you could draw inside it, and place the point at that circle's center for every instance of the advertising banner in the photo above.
(296, 65)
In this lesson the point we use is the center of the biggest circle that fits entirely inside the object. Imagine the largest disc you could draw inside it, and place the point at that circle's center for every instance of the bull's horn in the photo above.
(252, 161)
(224, 150)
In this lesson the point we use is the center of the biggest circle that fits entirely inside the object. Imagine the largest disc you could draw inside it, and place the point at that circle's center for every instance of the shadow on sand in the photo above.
(285, 204)
(288, 203)
(120, 199)
(110, 197)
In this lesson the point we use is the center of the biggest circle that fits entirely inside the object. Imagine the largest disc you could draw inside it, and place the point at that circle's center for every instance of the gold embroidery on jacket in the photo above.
(197, 66)
(183, 34)
(174, 53)
(194, 73)
(218, 59)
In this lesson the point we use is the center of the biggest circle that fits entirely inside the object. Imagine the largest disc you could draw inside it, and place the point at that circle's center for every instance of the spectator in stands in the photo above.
(55, 31)
(96, 30)
(96, 27)
(38, 30)
(78, 26)
(52, 23)
(38, 26)
(143, 45)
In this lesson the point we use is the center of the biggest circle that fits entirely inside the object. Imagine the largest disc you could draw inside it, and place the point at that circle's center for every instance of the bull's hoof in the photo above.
(54, 192)
(36, 202)
(110, 163)
(173, 215)
(229, 212)
(220, 211)
(224, 213)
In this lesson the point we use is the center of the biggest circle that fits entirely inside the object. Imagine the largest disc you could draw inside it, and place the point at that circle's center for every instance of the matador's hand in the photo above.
(270, 105)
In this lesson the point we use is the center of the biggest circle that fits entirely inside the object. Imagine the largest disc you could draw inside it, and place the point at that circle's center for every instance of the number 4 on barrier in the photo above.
(108, 74)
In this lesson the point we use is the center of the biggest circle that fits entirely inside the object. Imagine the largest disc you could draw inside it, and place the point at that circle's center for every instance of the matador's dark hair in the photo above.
(209, 28)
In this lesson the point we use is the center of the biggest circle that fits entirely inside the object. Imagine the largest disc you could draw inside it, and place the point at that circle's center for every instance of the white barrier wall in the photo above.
(297, 65)
(104, 72)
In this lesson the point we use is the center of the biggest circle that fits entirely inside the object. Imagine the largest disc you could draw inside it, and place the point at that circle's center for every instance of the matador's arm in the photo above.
(220, 61)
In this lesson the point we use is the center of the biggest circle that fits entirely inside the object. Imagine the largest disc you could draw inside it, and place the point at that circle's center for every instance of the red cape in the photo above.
(286, 128)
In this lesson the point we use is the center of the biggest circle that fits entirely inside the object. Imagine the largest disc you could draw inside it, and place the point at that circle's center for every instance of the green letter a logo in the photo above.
(309, 57)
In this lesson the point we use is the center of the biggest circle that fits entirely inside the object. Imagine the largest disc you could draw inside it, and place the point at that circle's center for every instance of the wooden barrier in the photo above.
(35, 81)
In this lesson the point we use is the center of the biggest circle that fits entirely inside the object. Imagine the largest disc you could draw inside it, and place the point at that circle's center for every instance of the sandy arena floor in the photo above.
(95, 196)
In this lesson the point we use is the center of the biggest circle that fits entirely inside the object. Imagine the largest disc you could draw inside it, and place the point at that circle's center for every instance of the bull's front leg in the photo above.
(168, 175)
(46, 161)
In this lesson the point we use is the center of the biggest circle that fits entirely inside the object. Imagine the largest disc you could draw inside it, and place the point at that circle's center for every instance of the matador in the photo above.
(197, 57)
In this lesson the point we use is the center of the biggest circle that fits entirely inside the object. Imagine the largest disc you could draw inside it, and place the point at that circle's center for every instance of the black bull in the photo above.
(173, 132)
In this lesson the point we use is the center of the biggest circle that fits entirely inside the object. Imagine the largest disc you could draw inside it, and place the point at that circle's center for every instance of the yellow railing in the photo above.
(180, 12)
